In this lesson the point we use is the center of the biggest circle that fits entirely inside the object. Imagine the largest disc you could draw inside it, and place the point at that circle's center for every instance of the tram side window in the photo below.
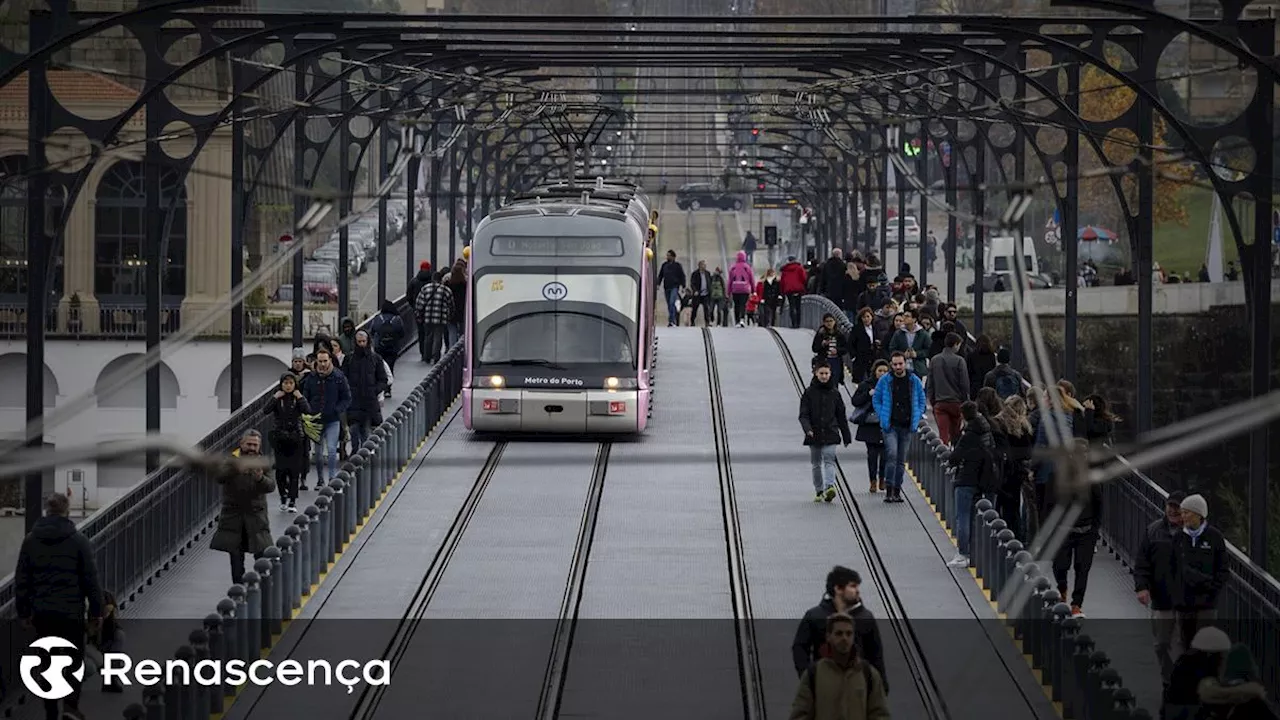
(558, 338)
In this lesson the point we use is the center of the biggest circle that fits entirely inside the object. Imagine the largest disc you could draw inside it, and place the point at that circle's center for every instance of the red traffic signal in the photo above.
(760, 163)
(755, 131)
(760, 185)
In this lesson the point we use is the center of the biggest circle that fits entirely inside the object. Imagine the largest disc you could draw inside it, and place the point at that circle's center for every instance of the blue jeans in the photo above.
(963, 520)
(453, 332)
(822, 458)
(673, 306)
(895, 452)
(327, 445)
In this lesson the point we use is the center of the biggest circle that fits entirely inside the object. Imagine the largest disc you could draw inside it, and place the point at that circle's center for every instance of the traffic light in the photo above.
(755, 134)
(760, 186)
(760, 164)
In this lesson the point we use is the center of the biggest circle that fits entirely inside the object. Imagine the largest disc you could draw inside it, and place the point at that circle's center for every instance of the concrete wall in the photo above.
(1176, 299)
(195, 390)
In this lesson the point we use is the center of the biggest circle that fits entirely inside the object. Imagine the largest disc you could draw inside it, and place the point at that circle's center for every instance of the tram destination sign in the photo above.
(541, 246)
(773, 202)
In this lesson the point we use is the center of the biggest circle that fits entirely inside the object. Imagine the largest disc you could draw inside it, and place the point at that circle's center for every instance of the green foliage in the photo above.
(257, 299)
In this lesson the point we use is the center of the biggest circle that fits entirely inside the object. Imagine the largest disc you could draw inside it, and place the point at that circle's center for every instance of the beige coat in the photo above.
(842, 694)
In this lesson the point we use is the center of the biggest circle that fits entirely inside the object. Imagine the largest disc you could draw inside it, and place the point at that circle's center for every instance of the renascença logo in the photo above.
(48, 668)
(47, 671)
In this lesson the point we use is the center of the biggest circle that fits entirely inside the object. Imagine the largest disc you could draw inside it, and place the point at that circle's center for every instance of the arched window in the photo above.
(120, 232)
(13, 229)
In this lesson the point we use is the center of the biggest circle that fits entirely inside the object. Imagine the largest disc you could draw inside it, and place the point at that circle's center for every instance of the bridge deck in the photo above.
(656, 609)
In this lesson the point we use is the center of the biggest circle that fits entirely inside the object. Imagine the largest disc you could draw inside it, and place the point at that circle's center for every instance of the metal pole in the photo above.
(38, 247)
(1257, 267)
(1067, 233)
(237, 238)
(346, 185)
(1144, 227)
(922, 169)
(979, 209)
(433, 207)
(953, 225)
(156, 238)
(384, 168)
(299, 202)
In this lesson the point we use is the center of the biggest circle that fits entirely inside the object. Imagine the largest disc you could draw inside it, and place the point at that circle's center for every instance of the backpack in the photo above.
(883, 294)
(739, 279)
(1007, 385)
(866, 677)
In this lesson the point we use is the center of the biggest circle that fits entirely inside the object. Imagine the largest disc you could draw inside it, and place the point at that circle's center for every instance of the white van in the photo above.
(998, 256)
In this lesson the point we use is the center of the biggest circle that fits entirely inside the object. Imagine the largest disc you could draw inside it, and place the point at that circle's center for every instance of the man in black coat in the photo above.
(56, 574)
(368, 380)
(825, 425)
(1153, 577)
(1199, 572)
(844, 595)
(831, 278)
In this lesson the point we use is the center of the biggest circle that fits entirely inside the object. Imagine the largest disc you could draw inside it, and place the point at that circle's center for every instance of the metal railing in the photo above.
(248, 618)
(145, 530)
(1249, 606)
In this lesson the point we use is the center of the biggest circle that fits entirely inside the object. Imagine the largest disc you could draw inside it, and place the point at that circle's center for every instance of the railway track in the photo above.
(399, 646)
(750, 676)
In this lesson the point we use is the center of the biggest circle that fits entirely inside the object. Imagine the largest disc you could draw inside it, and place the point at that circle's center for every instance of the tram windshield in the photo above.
(557, 338)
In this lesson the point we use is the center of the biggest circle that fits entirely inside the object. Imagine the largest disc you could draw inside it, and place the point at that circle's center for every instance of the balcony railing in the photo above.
(128, 322)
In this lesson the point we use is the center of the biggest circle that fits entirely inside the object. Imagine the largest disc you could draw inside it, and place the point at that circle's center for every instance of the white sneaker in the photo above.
(284, 507)
(959, 561)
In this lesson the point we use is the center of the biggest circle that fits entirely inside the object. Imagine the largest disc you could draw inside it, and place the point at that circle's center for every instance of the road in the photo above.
(365, 291)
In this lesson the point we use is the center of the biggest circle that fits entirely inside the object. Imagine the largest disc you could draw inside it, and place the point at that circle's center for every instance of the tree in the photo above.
(1103, 98)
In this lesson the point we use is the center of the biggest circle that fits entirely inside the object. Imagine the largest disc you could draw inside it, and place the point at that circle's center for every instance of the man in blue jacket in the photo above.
(327, 391)
(899, 403)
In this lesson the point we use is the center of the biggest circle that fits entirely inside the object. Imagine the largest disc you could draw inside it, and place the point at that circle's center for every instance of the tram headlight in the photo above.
(611, 383)
(497, 381)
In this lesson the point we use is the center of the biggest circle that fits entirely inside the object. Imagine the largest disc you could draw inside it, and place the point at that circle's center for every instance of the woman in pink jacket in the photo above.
(742, 280)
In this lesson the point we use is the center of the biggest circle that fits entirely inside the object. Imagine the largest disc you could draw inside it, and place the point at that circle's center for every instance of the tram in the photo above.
(559, 319)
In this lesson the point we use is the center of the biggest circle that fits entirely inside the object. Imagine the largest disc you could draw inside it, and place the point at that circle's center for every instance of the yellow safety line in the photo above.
(991, 600)
(324, 572)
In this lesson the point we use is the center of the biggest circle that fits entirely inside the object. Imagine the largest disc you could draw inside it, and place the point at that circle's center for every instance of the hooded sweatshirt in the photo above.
(418, 282)
(347, 338)
(387, 330)
(56, 572)
(742, 279)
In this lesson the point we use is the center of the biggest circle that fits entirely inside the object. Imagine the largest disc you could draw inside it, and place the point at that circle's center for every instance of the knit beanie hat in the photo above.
(1197, 505)
(1211, 640)
(299, 353)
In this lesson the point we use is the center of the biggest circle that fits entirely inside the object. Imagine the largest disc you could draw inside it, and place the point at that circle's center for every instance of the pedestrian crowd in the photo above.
(913, 357)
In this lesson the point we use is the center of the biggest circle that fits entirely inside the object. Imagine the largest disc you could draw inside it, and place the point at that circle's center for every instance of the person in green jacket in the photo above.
(914, 342)
(840, 686)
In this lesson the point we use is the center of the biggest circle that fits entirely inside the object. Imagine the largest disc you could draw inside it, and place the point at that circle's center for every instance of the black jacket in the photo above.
(1199, 570)
(700, 281)
(972, 453)
(822, 413)
(1096, 428)
(367, 378)
(862, 350)
(772, 292)
(418, 282)
(869, 430)
(287, 413)
(1153, 565)
(56, 572)
(811, 637)
(851, 291)
(980, 364)
(671, 275)
(830, 280)
(822, 341)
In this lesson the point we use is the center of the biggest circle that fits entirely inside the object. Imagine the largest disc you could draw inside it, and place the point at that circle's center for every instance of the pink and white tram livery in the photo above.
(559, 317)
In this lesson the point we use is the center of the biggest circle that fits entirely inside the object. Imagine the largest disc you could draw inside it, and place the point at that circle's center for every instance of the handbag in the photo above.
(865, 415)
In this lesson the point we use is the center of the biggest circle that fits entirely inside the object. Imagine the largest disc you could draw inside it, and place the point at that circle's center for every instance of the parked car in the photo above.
(319, 281)
(330, 253)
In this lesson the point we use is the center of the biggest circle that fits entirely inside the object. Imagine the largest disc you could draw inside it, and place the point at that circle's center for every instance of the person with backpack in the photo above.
(973, 458)
(830, 343)
(843, 595)
(1006, 381)
(387, 330)
(827, 685)
(742, 280)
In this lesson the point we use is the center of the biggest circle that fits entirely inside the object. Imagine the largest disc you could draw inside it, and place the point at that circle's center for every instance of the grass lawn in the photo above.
(1182, 248)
